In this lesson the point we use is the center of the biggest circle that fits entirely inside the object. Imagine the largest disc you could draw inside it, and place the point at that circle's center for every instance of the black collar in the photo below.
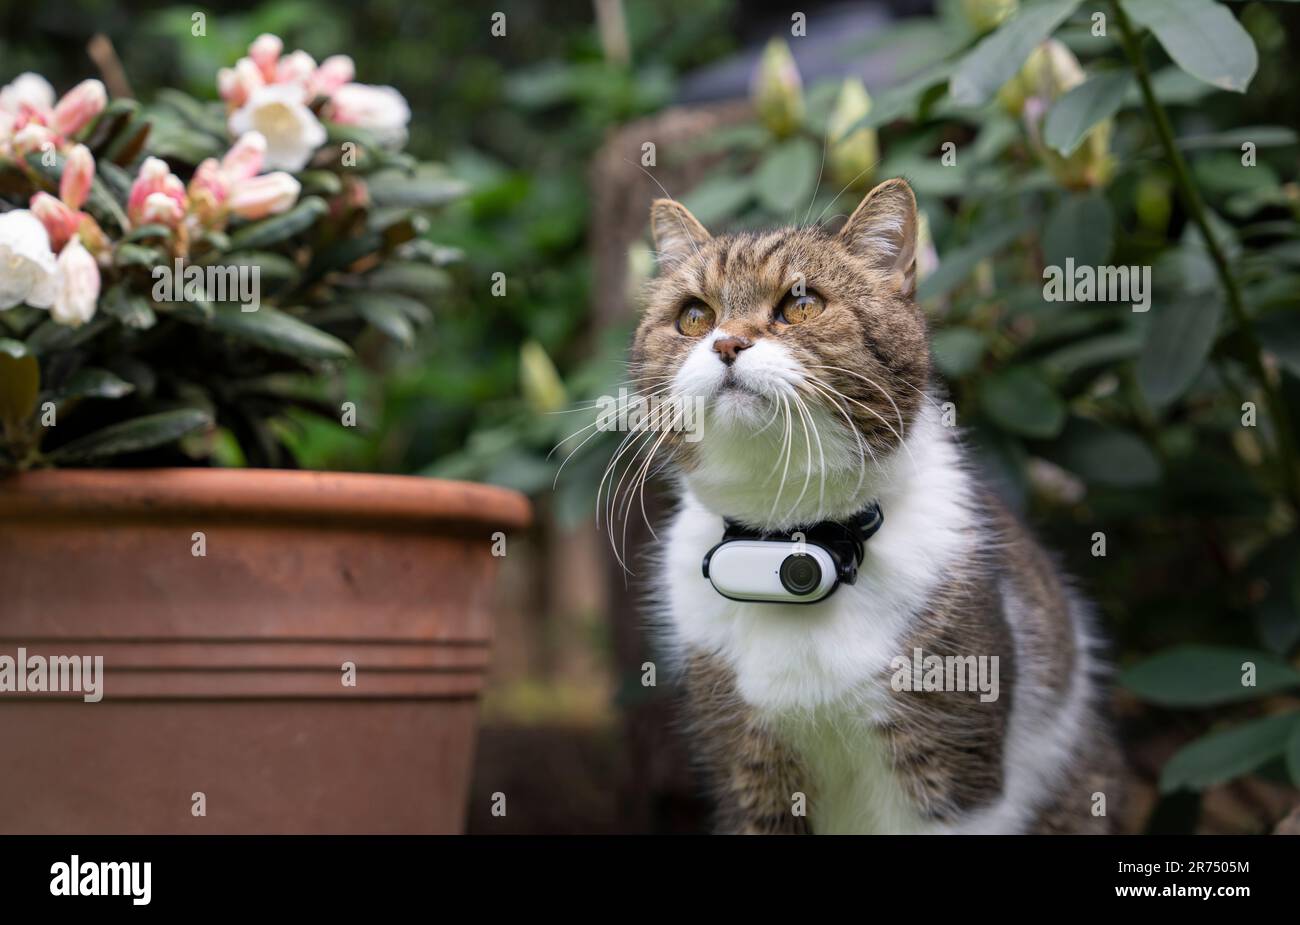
(845, 538)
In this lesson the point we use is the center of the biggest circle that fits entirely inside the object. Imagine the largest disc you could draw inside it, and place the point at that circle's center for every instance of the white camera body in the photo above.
(803, 566)
(761, 570)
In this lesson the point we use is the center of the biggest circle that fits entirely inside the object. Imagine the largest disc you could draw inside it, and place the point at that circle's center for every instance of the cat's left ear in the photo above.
(677, 233)
(882, 231)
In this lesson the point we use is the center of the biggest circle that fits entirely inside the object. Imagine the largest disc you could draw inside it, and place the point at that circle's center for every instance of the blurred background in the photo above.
(1083, 416)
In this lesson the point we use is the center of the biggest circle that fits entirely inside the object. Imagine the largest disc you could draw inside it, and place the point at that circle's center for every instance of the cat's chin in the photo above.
(737, 408)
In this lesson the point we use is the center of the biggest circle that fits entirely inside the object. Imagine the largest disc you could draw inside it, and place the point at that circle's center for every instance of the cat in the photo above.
(812, 360)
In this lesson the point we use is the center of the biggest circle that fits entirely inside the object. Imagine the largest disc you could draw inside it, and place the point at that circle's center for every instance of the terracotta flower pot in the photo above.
(225, 674)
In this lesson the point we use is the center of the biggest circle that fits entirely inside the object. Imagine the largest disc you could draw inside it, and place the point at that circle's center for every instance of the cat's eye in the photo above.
(695, 319)
(796, 309)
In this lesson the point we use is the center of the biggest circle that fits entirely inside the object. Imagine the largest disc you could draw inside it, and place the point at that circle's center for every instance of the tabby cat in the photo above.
(812, 363)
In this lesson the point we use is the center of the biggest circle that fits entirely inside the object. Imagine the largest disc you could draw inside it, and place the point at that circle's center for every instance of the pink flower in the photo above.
(208, 190)
(245, 159)
(78, 107)
(78, 286)
(161, 209)
(296, 68)
(333, 73)
(60, 221)
(78, 174)
(237, 84)
(380, 110)
(265, 52)
(29, 93)
(32, 138)
(258, 197)
(154, 184)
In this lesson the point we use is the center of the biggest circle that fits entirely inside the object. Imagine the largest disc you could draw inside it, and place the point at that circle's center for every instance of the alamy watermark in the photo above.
(1098, 284)
(629, 412)
(923, 673)
(192, 283)
(81, 674)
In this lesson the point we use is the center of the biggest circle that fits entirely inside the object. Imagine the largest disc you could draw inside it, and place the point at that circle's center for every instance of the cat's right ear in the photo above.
(677, 233)
(882, 231)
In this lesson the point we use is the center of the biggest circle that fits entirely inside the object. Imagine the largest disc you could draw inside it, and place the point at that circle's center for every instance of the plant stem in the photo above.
(1289, 462)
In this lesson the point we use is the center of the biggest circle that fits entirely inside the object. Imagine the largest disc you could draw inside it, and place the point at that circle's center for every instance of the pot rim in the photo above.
(263, 493)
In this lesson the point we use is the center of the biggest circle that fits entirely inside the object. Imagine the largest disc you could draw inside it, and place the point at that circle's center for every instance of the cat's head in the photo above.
(804, 349)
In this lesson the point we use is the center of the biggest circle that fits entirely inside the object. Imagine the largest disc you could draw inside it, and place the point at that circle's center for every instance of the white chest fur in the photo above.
(815, 671)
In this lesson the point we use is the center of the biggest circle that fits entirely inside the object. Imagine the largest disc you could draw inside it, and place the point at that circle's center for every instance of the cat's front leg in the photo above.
(758, 782)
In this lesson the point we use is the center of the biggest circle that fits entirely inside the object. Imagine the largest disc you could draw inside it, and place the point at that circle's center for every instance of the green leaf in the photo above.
(1106, 456)
(957, 265)
(998, 56)
(957, 351)
(1021, 401)
(277, 228)
(130, 309)
(20, 381)
(277, 331)
(138, 255)
(13, 348)
(1262, 136)
(719, 198)
(50, 336)
(1082, 226)
(90, 382)
(1221, 756)
(1070, 117)
(147, 231)
(1202, 37)
(421, 280)
(1178, 340)
(388, 313)
(270, 265)
(1204, 676)
(429, 186)
(787, 175)
(132, 436)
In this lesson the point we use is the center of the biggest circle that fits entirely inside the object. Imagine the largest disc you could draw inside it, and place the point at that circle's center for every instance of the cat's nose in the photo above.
(728, 348)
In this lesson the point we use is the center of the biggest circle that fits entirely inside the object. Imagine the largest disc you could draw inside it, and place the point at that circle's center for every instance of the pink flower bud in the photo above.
(161, 209)
(333, 73)
(93, 237)
(28, 93)
(258, 197)
(208, 190)
(78, 286)
(265, 52)
(156, 179)
(238, 85)
(228, 86)
(78, 174)
(32, 137)
(296, 68)
(60, 222)
(79, 106)
(244, 160)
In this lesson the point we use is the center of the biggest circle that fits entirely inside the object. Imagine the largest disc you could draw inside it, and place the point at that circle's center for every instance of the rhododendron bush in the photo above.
(179, 270)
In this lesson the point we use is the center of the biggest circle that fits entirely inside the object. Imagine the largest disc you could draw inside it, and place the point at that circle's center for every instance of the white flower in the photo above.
(292, 132)
(27, 266)
(28, 91)
(78, 289)
(380, 110)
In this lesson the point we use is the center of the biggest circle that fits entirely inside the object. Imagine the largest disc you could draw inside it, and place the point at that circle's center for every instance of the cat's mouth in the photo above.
(731, 383)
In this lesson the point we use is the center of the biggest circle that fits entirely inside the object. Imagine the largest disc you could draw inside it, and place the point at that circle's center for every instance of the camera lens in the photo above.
(800, 574)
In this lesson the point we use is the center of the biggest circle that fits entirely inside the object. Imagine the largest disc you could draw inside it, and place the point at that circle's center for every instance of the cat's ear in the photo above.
(882, 231)
(677, 233)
